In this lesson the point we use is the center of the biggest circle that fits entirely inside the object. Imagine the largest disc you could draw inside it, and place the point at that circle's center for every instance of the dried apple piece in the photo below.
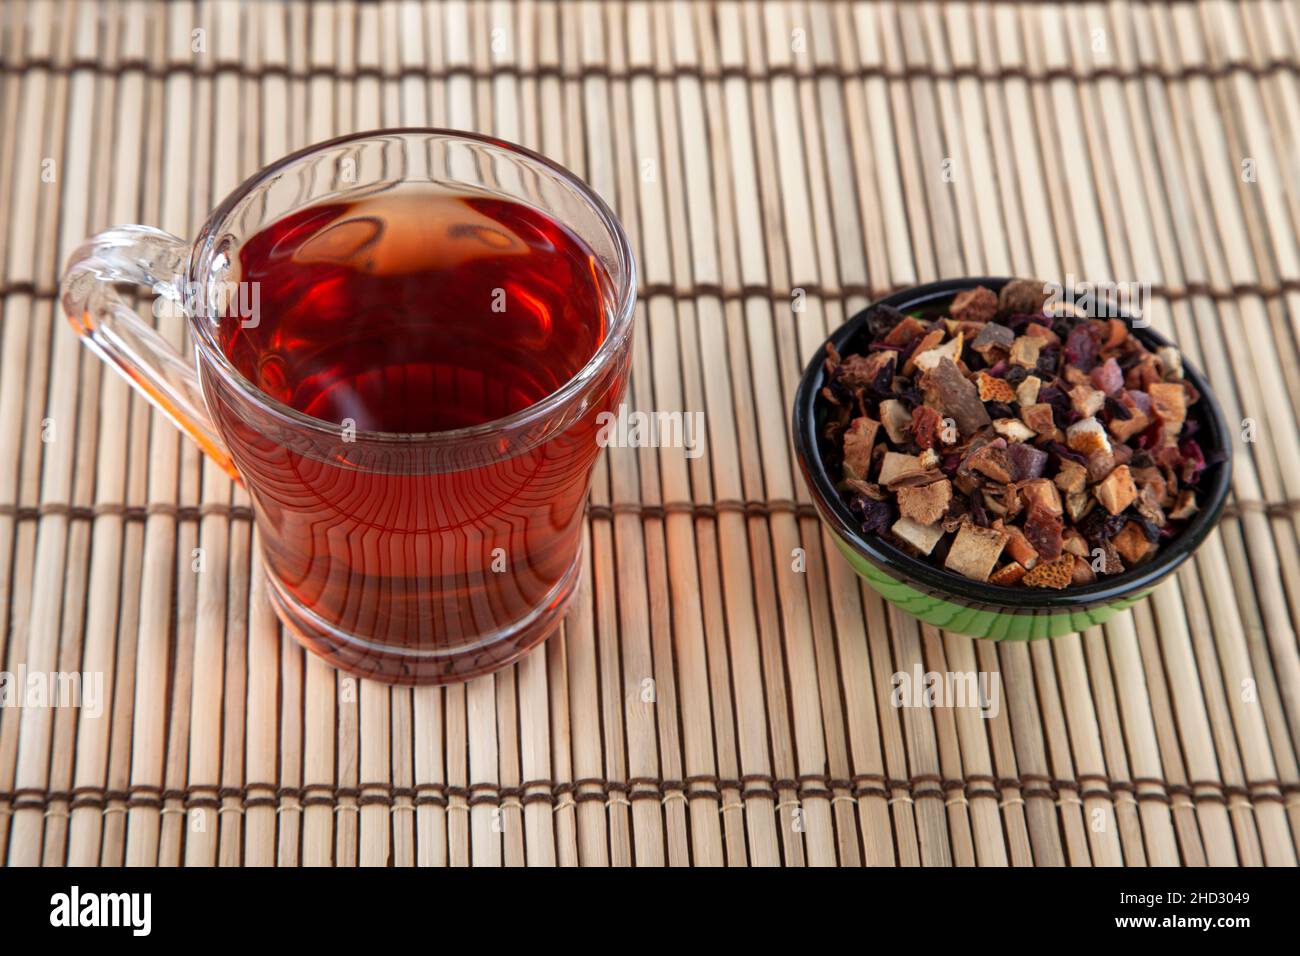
(925, 504)
(975, 551)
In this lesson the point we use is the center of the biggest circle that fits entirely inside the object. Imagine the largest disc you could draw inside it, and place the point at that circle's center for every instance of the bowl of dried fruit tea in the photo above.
(997, 461)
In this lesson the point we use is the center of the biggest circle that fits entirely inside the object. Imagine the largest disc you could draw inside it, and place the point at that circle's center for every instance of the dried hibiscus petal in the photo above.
(880, 319)
(1056, 397)
(1026, 461)
(1081, 347)
(1067, 453)
(926, 426)
(1117, 409)
(1108, 377)
(857, 371)
(1193, 461)
(1099, 526)
(1045, 531)
(1047, 362)
(876, 516)
(882, 385)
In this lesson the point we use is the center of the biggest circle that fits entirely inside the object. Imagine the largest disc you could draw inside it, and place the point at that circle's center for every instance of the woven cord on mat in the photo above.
(720, 693)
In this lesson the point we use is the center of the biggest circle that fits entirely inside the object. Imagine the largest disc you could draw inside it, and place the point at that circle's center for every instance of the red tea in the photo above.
(408, 312)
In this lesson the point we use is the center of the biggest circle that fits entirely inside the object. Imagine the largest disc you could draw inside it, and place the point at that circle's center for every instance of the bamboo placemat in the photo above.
(721, 692)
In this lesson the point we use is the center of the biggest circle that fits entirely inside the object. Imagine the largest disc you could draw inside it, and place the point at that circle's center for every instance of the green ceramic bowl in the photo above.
(956, 603)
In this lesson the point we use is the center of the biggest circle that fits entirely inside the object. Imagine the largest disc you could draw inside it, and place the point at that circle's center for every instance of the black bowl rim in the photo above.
(950, 585)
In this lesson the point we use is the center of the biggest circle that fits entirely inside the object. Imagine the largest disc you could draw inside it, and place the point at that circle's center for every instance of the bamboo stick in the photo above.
(26, 227)
(53, 362)
(182, 814)
(11, 42)
(597, 841)
(106, 467)
(678, 386)
(733, 437)
(975, 760)
(961, 836)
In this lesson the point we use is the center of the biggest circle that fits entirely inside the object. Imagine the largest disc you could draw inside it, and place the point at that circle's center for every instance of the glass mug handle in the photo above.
(156, 260)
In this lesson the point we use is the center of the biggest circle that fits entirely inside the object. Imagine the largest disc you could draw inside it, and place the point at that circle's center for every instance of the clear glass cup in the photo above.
(408, 558)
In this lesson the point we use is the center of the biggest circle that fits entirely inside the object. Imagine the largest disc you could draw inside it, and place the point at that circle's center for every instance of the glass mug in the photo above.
(412, 558)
